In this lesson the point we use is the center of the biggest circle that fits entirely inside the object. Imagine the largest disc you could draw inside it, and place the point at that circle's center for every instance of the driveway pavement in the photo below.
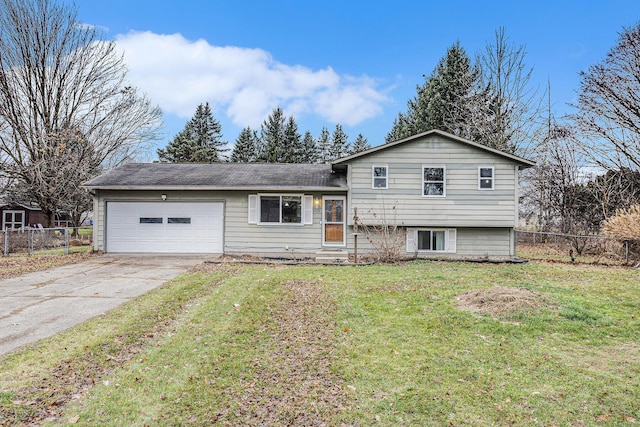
(41, 304)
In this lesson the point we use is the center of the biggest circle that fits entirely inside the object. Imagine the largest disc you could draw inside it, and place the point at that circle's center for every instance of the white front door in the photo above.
(13, 219)
(333, 221)
(169, 227)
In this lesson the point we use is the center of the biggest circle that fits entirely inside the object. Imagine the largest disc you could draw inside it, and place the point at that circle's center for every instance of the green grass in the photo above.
(382, 345)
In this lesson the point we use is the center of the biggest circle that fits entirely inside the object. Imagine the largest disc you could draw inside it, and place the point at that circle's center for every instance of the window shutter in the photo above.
(412, 241)
(307, 206)
(451, 243)
(253, 209)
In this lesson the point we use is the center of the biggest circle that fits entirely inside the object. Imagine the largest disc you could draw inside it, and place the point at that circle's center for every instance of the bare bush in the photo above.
(384, 234)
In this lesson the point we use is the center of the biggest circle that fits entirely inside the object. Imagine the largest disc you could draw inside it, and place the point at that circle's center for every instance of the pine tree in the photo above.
(359, 145)
(324, 145)
(399, 129)
(308, 149)
(273, 135)
(199, 142)
(339, 143)
(247, 147)
(446, 101)
(291, 146)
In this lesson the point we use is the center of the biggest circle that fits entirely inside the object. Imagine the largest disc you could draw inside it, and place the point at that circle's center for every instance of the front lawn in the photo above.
(313, 345)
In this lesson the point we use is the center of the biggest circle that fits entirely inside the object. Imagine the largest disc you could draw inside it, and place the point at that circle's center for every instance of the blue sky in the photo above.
(326, 62)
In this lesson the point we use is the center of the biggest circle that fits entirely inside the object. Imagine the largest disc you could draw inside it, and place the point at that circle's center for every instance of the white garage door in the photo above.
(168, 227)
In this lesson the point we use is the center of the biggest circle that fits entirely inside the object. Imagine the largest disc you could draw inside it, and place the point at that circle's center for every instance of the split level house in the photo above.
(448, 196)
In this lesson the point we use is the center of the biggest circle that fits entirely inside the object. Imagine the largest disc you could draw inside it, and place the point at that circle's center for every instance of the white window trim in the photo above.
(444, 181)
(254, 209)
(13, 221)
(386, 177)
(493, 178)
(450, 240)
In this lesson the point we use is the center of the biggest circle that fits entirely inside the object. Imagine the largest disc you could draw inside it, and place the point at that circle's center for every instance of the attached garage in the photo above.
(165, 227)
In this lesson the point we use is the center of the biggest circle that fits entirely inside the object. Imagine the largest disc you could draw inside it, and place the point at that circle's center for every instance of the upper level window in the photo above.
(280, 209)
(433, 181)
(485, 178)
(379, 176)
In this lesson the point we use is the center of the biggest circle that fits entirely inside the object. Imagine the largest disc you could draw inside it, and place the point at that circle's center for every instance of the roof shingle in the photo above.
(227, 176)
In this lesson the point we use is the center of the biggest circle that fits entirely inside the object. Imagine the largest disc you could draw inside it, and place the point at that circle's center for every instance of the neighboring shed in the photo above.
(17, 215)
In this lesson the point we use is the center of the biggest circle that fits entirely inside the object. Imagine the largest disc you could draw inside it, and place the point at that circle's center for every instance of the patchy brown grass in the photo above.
(294, 384)
(501, 300)
(17, 266)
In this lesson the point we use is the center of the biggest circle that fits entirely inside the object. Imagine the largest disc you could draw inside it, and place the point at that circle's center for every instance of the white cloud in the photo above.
(244, 83)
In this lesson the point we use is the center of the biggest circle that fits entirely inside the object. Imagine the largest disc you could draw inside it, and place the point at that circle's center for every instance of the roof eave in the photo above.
(211, 188)
(524, 163)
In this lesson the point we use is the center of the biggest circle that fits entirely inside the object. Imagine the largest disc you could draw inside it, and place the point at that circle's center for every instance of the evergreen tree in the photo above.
(273, 136)
(292, 144)
(247, 147)
(399, 129)
(308, 149)
(339, 143)
(359, 145)
(324, 145)
(445, 101)
(199, 142)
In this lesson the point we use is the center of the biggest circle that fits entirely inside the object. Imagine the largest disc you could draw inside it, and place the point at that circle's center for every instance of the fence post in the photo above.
(6, 242)
(29, 242)
(626, 252)
(66, 241)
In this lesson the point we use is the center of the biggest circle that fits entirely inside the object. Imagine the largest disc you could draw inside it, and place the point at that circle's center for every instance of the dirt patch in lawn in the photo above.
(501, 300)
(295, 384)
(17, 266)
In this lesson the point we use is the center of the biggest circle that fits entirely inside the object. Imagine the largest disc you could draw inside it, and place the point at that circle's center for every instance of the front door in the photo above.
(333, 221)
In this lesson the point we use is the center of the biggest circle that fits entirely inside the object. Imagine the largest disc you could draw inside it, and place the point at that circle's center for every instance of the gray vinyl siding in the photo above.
(484, 242)
(464, 204)
(470, 242)
(240, 237)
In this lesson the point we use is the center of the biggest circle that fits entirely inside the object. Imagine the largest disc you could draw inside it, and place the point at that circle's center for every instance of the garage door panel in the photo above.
(194, 227)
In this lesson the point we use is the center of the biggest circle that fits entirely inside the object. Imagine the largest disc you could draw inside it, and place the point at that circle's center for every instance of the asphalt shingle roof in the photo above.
(227, 176)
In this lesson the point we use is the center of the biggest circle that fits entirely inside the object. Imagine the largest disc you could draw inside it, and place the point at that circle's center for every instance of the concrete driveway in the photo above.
(41, 304)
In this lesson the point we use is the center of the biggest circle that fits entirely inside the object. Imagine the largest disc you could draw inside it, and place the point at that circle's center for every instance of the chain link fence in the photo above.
(594, 249)
(32, 241)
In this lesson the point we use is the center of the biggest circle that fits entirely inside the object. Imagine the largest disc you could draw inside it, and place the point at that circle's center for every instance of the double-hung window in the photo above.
(379, 177)
(434, 181)
(273, 209)
(485, 178)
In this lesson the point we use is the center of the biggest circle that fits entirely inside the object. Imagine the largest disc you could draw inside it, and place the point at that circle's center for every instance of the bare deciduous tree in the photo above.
(609, 105)
(513, 104)
(66, 110)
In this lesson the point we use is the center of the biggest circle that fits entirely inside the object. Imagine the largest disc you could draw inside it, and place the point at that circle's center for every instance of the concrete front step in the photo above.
(332, 256)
